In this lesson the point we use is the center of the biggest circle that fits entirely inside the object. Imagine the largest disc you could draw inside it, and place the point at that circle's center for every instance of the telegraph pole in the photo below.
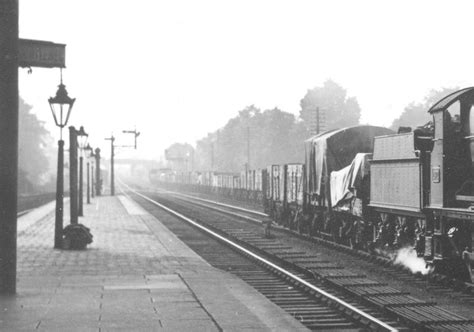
(8, 143)
(248, 147)
(212, 156)
(317, 120)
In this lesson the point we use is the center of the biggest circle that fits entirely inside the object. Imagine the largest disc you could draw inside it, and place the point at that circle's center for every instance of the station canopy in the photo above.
(334, 150)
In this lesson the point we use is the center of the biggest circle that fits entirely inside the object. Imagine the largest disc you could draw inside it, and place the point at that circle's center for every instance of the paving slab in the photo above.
(135, 276)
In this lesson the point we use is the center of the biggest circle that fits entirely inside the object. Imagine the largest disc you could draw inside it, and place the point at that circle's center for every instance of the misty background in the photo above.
(205, 79)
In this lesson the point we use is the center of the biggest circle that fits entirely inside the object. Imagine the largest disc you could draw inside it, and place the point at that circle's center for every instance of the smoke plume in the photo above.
(408, 258)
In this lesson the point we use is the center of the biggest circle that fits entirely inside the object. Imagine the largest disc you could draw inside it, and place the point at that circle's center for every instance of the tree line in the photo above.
(36, 153)
(256, 138)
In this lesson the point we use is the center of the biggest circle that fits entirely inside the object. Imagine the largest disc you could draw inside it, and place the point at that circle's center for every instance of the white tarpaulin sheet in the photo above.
(348, 179)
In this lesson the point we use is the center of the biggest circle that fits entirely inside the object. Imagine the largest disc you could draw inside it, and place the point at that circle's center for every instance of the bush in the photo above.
(76, 237)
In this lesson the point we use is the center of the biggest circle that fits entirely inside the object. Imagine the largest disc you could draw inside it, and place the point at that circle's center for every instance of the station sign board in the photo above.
(40, 53)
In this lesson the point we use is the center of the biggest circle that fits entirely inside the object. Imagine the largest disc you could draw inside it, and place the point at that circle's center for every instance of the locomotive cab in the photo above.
(451, 199)
(451, 158)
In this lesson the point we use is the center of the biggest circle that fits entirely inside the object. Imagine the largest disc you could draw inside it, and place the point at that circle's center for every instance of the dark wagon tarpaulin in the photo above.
(345, 181)
(334, 150)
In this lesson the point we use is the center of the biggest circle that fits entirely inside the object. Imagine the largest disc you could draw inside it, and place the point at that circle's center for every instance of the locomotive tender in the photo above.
(373, 189)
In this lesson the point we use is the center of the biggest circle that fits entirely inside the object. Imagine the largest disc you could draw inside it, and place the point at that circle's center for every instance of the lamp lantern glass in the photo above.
(89, 151)
(82, 137)
(61, 106)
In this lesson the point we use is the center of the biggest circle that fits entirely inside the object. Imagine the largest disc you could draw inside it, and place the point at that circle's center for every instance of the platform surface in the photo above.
(135, 276)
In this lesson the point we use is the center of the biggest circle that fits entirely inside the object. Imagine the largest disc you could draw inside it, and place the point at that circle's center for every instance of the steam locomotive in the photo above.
(373, 189)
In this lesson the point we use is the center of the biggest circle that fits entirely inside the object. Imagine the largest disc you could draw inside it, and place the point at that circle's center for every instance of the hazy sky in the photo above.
(180, 69)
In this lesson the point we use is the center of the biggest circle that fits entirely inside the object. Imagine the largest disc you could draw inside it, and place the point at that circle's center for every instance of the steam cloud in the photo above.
(408, 258)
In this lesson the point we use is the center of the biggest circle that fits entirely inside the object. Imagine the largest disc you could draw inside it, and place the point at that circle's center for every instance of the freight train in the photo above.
(373, 189)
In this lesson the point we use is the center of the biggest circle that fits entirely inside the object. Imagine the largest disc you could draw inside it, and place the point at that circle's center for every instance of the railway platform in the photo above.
(135, 276)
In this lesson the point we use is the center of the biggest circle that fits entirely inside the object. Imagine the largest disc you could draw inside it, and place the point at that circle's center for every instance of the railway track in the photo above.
(296, 291)
(439, 284)
(416, 313)
(28, 203)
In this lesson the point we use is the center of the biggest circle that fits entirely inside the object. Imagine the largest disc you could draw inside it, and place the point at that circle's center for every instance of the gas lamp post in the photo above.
(61, 106)
(82, 137)
(93, 158)
(112, 155)
(98, 179)
(89, 153)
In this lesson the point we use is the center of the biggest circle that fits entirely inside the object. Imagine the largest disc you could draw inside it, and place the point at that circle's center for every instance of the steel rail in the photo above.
(21, 213)
(228, 212)
(372, 319)
(238, 208)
